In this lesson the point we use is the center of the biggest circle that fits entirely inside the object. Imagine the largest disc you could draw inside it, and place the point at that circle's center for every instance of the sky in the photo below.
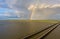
(30, 9)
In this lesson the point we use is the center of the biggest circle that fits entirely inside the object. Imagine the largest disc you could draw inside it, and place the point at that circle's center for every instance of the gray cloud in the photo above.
(48, 9)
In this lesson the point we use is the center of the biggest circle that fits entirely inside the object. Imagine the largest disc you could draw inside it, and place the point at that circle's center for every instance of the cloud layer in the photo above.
(31, 9)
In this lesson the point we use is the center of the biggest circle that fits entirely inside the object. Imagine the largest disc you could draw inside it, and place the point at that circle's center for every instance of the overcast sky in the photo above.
(30, 9)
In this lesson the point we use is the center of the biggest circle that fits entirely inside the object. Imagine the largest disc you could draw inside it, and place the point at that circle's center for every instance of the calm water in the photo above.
(19, 29)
